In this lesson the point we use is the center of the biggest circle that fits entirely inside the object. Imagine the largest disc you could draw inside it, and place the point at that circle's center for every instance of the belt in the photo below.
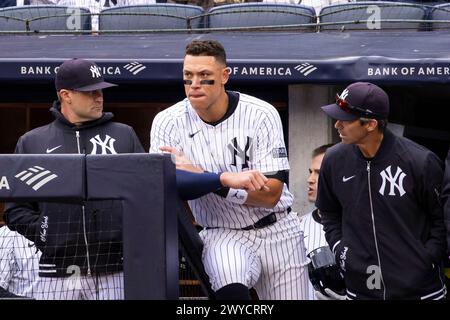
(261, 223)
(264, 222)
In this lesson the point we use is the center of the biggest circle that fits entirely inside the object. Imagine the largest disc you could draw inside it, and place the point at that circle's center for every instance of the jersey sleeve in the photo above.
(6, 257)
(270, 154)
(164, 133)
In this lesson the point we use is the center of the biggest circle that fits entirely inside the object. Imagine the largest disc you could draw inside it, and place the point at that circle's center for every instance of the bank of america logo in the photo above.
(134, 67)
(305, 68)
(36, 177)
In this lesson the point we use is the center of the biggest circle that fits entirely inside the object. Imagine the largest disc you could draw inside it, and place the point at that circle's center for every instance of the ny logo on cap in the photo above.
(95, 72)
(344, 94)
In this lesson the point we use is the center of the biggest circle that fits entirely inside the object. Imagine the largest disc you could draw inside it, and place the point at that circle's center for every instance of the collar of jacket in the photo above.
(385, 149)
(61, 120)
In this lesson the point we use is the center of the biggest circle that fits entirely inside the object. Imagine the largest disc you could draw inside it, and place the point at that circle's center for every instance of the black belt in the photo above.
(261, 223)
(264, 222)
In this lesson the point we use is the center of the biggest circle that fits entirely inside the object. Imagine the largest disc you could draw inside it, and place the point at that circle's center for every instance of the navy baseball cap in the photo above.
(360, 99)
(80, 75)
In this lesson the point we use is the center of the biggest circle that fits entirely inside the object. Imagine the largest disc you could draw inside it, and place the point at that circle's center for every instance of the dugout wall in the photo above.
(146, 186)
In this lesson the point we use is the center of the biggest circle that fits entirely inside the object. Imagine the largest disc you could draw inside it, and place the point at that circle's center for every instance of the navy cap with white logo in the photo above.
(80, 75)
(360, 99)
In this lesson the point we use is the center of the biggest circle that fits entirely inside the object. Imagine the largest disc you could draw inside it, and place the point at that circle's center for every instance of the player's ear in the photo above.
(372, 125)
(225, 74)
(64, 95)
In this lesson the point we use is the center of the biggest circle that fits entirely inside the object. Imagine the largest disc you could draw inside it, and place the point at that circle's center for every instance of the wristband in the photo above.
(222, 191)
(238, 196)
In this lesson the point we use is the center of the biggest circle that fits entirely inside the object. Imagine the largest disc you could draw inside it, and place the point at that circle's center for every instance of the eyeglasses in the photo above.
(347, 107)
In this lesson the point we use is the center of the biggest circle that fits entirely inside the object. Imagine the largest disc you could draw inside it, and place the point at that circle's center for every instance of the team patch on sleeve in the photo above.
(279, 152)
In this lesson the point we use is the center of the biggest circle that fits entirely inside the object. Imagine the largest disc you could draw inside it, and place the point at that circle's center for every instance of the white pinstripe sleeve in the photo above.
(164, 133)
(270, 153)
(6, 257)
(313, 233)
(314, 238)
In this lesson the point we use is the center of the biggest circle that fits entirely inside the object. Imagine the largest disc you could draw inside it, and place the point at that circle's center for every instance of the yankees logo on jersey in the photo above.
(242, 154)
(249, 137)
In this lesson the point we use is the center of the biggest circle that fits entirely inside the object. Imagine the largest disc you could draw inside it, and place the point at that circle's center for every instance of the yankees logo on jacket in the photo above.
(88, 236)
(383, 219)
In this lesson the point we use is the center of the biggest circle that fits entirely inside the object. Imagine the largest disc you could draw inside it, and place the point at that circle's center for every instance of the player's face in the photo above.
(83, 106)
(352, 132)
(314, 170)
(204, 95)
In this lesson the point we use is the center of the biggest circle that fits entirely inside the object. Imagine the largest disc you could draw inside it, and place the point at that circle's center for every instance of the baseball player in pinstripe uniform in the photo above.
(19, 265)
(310, 222)
(251, 238)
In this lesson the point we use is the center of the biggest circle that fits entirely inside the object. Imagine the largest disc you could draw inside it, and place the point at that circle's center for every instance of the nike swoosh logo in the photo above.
(30, 245)
(345, 179)
(52, 149)
(191, 135)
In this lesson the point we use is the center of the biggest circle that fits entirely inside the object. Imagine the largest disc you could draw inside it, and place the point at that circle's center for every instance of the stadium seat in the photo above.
(7, 3)
(363, 16)
(44, 18)
(440, 12)
(151, 17)
(262, 15)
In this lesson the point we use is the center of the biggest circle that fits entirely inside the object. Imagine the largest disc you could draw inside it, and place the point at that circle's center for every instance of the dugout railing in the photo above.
(153, 214)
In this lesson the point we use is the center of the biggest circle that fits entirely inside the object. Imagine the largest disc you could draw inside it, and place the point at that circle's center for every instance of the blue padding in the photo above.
(328, 57)
(33, 177)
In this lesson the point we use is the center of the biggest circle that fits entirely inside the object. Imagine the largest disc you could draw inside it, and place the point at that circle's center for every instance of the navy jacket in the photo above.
(383, 219)
(87, 236)
(446, 198)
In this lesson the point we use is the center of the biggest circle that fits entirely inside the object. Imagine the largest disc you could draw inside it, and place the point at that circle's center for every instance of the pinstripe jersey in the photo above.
(251, 138)
(19, 263)
(314, 237)
(313, 232)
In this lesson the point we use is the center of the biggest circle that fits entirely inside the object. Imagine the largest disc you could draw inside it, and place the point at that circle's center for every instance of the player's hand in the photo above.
(331, 295)
(251, 180)
(181, 162)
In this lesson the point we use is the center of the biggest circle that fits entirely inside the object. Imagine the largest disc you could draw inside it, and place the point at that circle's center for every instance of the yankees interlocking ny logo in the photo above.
(106, 145)
(95, 72)
(396, 181)
(237, 152)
